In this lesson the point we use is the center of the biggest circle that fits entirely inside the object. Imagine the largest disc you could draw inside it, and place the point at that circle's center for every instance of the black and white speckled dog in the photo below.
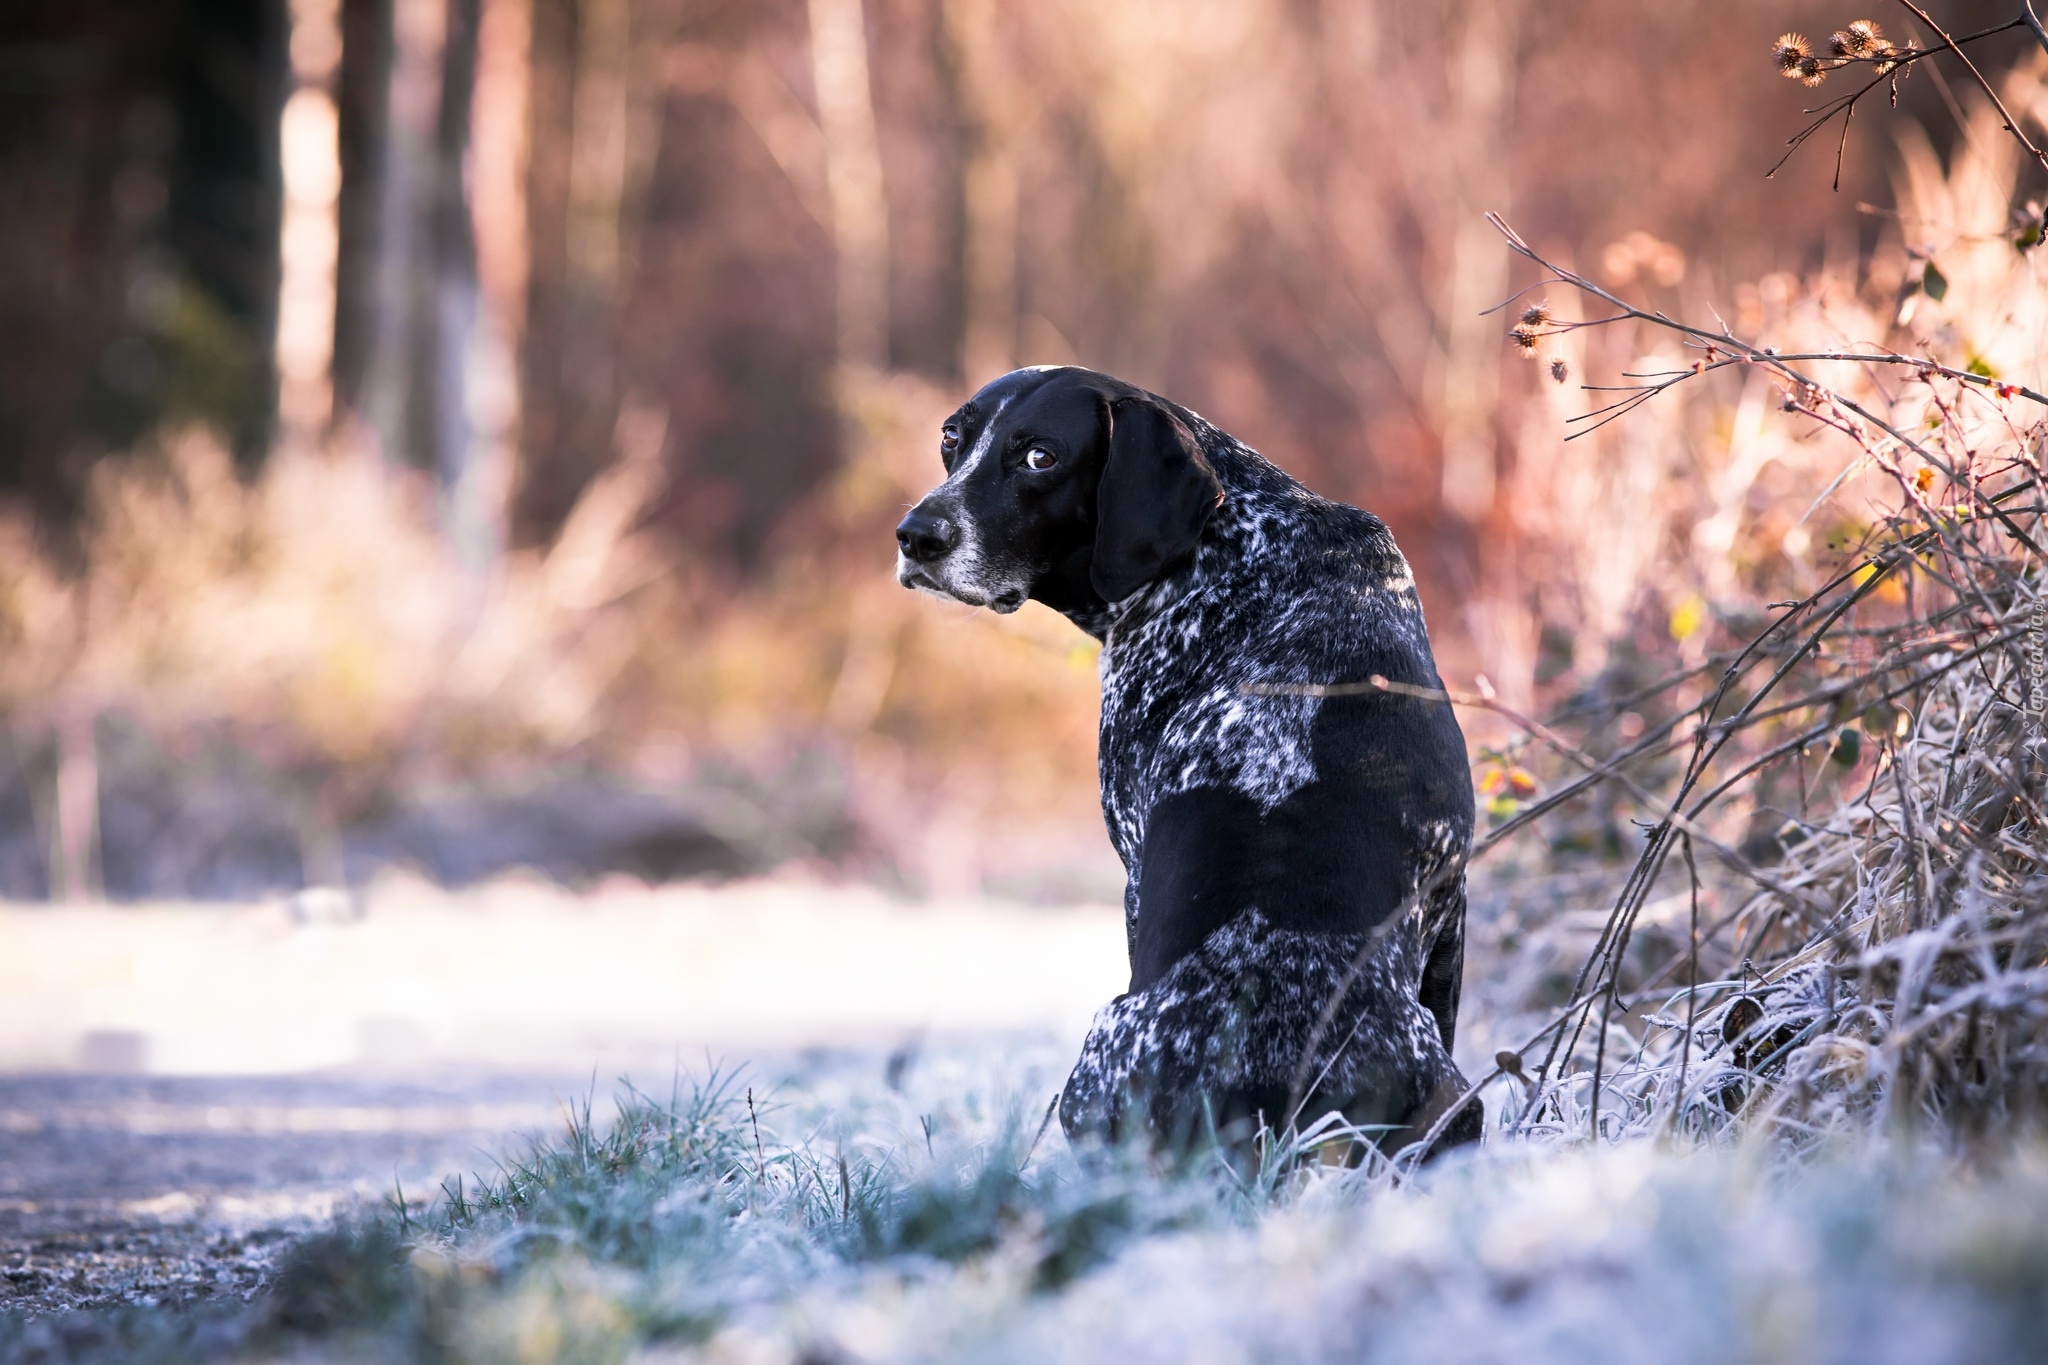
(1282, 843)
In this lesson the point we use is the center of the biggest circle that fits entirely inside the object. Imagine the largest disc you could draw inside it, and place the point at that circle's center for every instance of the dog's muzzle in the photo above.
(925, 542)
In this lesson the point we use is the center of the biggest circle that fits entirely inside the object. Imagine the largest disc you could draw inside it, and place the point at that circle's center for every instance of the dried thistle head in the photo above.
(1536, 314)
(1884, 55)
(1525, 336)
(1789, 52)
(1559, 370)
(1857, 40)
(1811, 72)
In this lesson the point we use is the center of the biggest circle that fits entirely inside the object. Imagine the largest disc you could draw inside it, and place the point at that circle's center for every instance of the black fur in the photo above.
(1276, 840)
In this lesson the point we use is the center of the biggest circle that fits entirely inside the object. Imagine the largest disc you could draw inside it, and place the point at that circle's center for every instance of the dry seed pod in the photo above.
(1789, 51)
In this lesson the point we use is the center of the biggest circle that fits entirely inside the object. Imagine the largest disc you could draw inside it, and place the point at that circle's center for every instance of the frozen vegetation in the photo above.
(843, 1218)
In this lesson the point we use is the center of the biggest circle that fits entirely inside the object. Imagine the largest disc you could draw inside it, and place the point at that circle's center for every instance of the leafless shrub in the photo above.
(317, 619)
(1852, 782)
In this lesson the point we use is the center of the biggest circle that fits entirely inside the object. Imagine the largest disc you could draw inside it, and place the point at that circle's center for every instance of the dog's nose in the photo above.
(923, 537)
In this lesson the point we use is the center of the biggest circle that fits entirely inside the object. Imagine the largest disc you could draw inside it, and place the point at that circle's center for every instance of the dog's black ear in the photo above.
(1155, 497)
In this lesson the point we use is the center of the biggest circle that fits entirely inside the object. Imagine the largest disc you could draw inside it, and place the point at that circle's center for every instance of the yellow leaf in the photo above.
(1688, 616)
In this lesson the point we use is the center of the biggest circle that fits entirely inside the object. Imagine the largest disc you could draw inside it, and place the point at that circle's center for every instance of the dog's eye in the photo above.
(949, 440)
(1038, 457)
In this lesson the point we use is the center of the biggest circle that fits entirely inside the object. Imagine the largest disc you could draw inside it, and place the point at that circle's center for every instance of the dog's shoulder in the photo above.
(1287, 589)
(1217, 683)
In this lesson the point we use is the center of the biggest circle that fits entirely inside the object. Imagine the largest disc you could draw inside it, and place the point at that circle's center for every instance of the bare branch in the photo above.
(2012, 125)
(2033, 22)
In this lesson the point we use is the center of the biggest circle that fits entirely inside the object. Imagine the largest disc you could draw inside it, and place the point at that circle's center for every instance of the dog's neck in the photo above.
(1254, 490)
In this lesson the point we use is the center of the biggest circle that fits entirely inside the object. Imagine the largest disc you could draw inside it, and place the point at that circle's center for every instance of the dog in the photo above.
(1281, 774)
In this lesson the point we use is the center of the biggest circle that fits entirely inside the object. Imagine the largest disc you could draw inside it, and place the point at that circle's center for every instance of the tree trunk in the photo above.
(853, 178)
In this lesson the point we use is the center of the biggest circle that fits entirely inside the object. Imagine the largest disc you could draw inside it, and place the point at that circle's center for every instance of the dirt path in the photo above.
(183, 1087)
(165, 1190)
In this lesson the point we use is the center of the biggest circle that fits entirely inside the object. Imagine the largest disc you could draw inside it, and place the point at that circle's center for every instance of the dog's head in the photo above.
(1062, 485)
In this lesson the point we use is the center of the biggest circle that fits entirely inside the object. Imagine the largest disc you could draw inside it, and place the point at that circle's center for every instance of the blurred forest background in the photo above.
(467, 433)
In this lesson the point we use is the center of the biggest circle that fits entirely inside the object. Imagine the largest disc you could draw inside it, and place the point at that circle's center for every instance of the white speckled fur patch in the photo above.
(1239, 1014)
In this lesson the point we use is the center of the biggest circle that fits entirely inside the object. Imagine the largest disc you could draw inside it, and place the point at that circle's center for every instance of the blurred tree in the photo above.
(138, 229)
(674, 256)
(416, 335)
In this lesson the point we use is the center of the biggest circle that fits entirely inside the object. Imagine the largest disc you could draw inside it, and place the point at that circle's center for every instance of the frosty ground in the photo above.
(912, 1208)
(895, 1198)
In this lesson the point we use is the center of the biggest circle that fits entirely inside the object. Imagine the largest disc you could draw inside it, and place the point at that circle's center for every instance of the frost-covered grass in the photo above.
(843, 1218)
